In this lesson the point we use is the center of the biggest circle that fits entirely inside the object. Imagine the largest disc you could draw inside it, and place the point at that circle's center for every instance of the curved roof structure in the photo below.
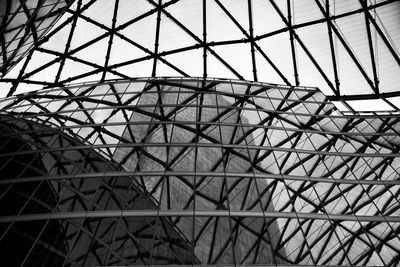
(238, 174)
(348, 49)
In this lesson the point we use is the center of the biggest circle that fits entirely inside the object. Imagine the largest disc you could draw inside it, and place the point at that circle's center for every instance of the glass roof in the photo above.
(348, 49)
(227, 157)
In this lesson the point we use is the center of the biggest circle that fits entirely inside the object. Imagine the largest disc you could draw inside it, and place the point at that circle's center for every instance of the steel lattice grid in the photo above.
(279, 168)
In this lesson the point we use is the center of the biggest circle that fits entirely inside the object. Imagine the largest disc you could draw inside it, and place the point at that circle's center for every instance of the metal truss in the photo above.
(222, 39)
(237, 173)
(350, 50)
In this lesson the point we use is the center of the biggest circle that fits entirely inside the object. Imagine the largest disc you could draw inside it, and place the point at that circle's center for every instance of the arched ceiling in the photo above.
(348, 49)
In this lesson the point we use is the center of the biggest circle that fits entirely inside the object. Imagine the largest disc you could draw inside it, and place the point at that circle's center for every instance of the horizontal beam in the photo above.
(196, 213)
(264, 176)
(205, 145)
(192, 123)
(364, 96)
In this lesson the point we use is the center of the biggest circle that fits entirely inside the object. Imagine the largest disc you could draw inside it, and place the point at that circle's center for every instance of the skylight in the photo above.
(348, 49)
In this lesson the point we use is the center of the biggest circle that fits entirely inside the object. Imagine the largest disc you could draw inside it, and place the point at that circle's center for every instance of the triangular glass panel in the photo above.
(238, 56)
(315, 40)
(72, 69)
(351, 79)
(94, 53)
(102, 11)
(130, 10)
(172, 36)
(220, 27)
(215, 68)
(122, 51)
(163, 70)
(388, 67)
(58, 41)
(265, 71)
(192, 67)
(277, 48)
(188, 13)
(142, 32)
(304, 11)
(265, 18)
(356, 38)
(85, 32)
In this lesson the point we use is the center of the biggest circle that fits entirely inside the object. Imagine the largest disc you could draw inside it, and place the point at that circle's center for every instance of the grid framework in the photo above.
(242, 173)
(350, 49)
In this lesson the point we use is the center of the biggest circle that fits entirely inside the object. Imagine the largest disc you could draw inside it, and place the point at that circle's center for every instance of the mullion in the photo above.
(225, 163)
(312, 121)
(333, 51)
(292, 43)
(303, 46)
(371, 48)
(110, 40)
(252, 41)
(67, 45)
(251, 168)
(348, 49)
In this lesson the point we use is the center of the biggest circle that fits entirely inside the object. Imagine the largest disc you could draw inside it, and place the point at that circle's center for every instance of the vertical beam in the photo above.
(382, 35)
(197, 39)
(254, 43)
(333, 52)
(110, 40)
(347, 48)
(253, 57)
(371, 48)
(204, 39)
(291, 32)
(68, 44)
(156, 43)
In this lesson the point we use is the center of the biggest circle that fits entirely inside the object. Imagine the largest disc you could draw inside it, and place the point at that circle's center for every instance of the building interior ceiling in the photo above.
(208, 114)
